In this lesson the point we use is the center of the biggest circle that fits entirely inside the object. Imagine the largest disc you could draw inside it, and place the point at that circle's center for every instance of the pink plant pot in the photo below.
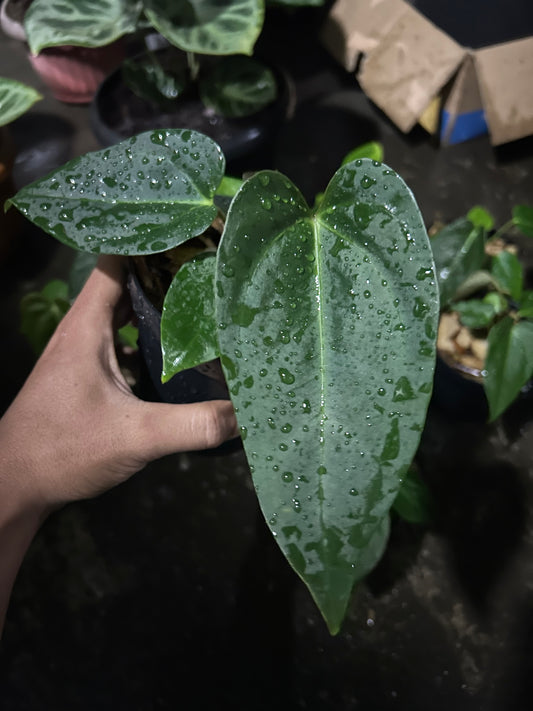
(74, 73)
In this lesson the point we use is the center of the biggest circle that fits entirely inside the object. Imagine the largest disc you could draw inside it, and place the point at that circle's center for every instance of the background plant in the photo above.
(324, 320)
(15, 99)
(485, 286)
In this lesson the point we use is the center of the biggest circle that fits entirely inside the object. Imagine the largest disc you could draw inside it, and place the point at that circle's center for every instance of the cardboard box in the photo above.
(416, 73)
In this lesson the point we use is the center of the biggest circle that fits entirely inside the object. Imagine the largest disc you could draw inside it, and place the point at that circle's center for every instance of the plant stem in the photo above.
(193, 64)
(501, 231)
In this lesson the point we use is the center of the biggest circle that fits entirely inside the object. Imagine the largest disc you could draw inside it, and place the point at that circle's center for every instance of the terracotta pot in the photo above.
(75, 73)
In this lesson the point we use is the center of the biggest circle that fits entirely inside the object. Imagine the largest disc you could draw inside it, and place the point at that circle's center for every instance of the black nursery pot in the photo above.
(459, 393)
(193, 385)
(116, 113)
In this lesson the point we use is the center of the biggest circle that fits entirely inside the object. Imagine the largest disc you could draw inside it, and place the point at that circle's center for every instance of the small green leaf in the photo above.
(414, 502)
(475, 313)
(41, 313)
(238, 86)
(129, 335)
(509, 274)
(208, 26)
(509, 363)
(526, 305)
(523, 219)
(147, 194)
(477, 282)
(85, 24)
(149, 80)
(480, 217)
(188, 326)
(373, 150)
(15, 99)
(459, 251)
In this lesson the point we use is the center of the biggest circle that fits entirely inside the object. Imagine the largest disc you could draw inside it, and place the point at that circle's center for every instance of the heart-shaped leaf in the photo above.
(509, 274)
(85, 24)
(327, 327)
(509, 363)
(459, 251)
(238, 86)
(15, 99)
(523, 219)
(208, 26)
(144, 195)
(188, 327)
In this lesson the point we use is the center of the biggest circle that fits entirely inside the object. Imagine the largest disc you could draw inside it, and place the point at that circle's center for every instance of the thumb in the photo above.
(166, 429)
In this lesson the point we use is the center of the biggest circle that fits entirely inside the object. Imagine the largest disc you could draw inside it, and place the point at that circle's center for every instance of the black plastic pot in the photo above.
(116, 113)
(194, 385)
(459, 392)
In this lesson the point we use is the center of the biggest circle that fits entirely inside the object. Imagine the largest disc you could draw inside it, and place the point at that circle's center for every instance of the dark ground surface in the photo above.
(169, 592)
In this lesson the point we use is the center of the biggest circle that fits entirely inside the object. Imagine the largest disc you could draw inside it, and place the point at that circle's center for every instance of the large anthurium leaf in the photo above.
(188, 326)
(459, 251)
(327, 324)
(509, 363)
(208, 26)
(144, 195)
(85, 24)
(15, 99)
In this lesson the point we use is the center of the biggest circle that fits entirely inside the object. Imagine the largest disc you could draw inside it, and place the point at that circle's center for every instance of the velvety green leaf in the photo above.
(414, 502)
(15, 99)
(85, 24)
(459, 250)
(475, 313)
(143, 195)
(238, 86)
(208, 26)
(188, 326)
(509, 363)
(373, 150)
(508, 272)
(523, 219)
(526, 305)
(149, 80)
(327, 325)
(480, 217)
(41, 313)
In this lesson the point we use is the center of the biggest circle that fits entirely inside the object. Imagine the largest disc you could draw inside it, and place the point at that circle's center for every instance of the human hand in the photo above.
(76, 429)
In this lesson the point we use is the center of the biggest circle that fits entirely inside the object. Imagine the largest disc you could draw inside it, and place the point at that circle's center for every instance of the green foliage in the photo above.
(414, 502)
(238, 86)
(324, 319)
(41, 312)
(488, 294)
(15, 99)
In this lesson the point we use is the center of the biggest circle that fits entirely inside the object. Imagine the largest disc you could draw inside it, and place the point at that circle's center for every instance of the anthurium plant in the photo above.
(15, 99)
(482, 286)
(234, 86)
(324, 320)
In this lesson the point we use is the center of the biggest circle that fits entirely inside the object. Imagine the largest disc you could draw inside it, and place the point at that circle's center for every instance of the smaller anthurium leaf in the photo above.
(373, 150)
(15, 99)
(459, 251)
(146, 194)
(509, 274)
(497, 301)
(85, 24)
(475, 313)
(188, 326)
(476, 282)
(480, 217)
(208, 26)
(526, 305)
(523, 219)
(238, 86)
(414, 502)
(41, 313)
(509, 363)
(129, 335)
